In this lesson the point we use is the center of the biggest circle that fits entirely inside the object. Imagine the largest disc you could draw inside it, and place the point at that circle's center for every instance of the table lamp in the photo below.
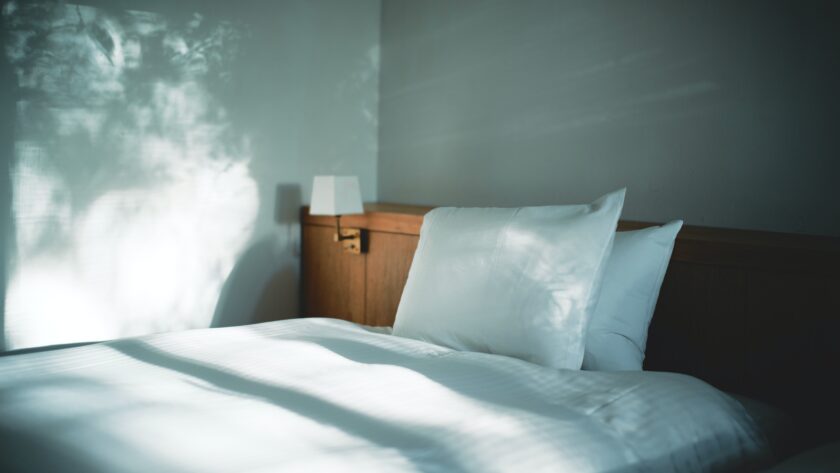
(337, 196)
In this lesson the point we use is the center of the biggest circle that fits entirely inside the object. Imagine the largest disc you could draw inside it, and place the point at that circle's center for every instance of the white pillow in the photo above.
(518, 282)
(635, 269)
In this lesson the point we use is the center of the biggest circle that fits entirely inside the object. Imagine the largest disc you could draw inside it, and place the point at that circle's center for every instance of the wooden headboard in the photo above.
(754, 313)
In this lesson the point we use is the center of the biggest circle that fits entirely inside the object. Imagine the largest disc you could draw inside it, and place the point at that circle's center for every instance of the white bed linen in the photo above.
(327, 395)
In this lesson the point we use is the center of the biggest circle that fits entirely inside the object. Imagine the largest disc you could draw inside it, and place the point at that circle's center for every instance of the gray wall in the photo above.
(722, 113)
(302, 88)
(309, 94)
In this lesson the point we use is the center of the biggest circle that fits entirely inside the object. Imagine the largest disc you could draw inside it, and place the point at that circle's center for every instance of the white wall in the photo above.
(720, 113)
(207, 200)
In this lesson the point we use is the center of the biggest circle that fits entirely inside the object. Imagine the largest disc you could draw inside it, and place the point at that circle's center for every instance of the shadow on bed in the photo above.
(27, 449)
(461, 377)
(404, 439)
(415, 442)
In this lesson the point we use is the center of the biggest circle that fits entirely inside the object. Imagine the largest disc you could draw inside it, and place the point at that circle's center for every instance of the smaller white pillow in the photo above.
(517, 282)
(618, 331)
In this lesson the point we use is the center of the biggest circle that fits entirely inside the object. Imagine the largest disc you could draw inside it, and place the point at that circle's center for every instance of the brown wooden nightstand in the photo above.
(363, 288)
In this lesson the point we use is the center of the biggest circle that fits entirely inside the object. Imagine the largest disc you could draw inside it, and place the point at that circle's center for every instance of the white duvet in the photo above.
(325, 395)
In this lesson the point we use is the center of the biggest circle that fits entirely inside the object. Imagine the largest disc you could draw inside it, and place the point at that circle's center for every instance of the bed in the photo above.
(752, 313)
(329, 395)
(323, 394)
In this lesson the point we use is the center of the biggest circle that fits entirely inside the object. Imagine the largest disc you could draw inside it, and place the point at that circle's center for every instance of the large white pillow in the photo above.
(518, 282)
(630, 288)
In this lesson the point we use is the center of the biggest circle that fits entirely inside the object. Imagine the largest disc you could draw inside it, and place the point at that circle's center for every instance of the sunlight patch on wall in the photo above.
(132, 195)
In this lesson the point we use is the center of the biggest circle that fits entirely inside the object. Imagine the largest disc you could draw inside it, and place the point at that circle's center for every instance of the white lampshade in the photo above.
(336, 195)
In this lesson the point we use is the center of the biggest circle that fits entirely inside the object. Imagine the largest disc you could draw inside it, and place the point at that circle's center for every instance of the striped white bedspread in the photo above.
(321, 395)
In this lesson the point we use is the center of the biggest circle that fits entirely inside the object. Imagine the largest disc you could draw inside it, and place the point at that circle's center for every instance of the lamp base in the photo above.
(351, 240)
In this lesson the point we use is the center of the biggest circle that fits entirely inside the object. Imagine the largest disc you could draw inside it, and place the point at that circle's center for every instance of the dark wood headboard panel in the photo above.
(755, 313)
